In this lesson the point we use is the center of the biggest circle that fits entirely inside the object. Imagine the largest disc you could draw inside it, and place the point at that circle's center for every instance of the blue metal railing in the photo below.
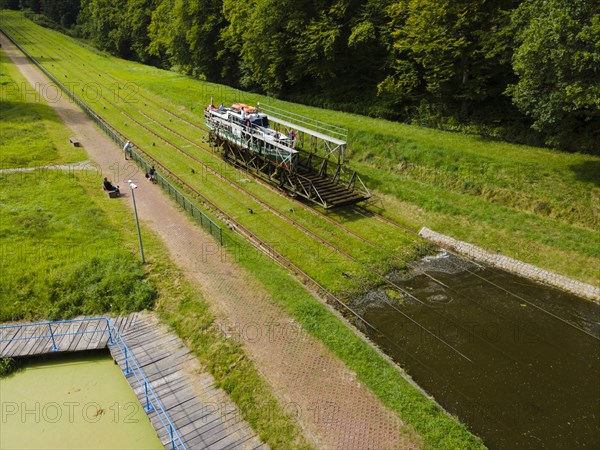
(49, 331)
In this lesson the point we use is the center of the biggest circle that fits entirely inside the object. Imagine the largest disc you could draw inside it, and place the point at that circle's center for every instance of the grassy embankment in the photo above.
(67, 59)
(534, 204)
(525, 202)
(54, 239)
(437, 429)
(538, 205)
(65, 253)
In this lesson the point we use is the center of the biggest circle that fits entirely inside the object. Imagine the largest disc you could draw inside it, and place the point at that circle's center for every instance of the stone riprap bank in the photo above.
(512, 265)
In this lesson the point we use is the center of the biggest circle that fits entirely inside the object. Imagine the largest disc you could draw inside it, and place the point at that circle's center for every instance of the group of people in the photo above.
(127, 150)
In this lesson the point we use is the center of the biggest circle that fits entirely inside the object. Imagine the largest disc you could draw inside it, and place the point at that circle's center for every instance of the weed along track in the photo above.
(354, 257)
(239, 227)
(246, 193)
(141, 129)
(377, 276)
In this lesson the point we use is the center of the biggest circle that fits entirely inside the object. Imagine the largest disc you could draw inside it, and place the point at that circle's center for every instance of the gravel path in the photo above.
(335, 409)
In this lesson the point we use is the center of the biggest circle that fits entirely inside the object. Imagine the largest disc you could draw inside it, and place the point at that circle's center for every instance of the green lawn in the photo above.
(32, 133)
(61, 256)
(534, 204)
(304, 250)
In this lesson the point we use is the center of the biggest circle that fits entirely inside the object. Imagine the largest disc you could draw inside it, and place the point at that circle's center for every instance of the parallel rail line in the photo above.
(258, 242)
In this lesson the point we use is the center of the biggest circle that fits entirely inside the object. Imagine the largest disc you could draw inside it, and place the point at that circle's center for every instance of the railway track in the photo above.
(252, 237)
(260, 243)
(314, 285)
(296, 224)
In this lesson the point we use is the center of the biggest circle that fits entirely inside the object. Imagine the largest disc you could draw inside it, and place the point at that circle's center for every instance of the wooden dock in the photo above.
(202, 414)
(20, 342)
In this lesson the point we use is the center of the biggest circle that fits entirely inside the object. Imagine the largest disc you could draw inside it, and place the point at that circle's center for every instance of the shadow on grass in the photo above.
(24, 110)
(588, 171)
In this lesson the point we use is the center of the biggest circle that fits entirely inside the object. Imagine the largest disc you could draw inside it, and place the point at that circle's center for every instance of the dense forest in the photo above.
(527, 71)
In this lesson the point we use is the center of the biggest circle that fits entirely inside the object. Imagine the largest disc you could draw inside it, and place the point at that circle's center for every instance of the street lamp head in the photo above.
(133, 185)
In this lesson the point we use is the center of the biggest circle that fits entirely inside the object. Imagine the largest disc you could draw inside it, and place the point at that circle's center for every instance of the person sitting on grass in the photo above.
(108, 186)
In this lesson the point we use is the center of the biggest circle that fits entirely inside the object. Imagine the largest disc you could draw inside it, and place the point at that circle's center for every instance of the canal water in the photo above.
(517, 361)
(74, 401)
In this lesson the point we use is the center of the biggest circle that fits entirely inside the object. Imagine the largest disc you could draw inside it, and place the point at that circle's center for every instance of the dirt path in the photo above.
(333, 407)
(83, 165)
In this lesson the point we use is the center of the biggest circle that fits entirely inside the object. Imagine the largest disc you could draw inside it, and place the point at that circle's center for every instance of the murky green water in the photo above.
(77, 401)
(521, 368)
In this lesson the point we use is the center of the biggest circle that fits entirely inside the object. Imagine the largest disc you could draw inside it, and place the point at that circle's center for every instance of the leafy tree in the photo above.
(186, 33)
(34, 5)
(452, 54)
(135, 24)
(557, 60)
(117, 27)
(261, 33)
(342, 54)
(63, 12)
(503, 64)
(98, 20)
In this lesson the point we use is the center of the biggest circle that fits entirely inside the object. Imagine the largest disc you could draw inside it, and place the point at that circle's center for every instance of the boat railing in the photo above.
(308, 122)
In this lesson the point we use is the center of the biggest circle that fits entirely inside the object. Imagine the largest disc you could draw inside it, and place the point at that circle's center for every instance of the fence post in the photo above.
(127, 371)
(110, 339)
(171, 432)
(148, 407)
(54, 347)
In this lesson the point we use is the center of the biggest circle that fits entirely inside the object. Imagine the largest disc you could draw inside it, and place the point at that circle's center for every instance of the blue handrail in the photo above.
(152, 402)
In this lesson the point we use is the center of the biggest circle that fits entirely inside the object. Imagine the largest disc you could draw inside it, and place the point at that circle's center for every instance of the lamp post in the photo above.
(133, 186)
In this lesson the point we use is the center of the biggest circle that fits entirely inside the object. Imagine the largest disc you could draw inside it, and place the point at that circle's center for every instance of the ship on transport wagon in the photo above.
(302, 156)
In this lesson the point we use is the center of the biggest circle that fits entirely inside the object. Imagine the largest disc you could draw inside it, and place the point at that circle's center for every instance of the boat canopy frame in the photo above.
(326, 140)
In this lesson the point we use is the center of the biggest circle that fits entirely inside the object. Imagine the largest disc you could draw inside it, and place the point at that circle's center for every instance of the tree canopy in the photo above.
(557, 62)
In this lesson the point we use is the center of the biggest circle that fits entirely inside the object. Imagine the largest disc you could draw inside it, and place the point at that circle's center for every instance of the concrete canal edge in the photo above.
(515, 266)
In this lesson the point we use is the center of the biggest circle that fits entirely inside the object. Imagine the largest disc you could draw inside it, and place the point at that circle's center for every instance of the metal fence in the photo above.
(52, 331)
(197, 214)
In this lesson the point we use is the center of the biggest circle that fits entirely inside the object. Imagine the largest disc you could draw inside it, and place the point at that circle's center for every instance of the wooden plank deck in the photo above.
(202, 414)
(65, 338)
